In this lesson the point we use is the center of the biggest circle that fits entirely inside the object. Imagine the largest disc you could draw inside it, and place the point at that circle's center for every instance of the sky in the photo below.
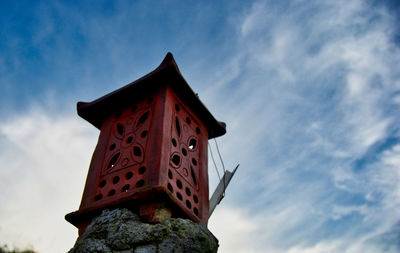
(309, 90)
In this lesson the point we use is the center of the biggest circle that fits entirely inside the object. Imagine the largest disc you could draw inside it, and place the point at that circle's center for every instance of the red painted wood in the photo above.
(152, 149)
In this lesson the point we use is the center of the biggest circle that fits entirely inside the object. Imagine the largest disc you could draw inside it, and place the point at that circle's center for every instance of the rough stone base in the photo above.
(121, 231)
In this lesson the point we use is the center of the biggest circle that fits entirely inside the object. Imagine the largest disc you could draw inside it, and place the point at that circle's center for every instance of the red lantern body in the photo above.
(152, 148)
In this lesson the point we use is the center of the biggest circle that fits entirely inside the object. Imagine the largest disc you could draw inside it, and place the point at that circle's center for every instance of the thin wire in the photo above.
(222, 162)
(223, 166)
(215, 164)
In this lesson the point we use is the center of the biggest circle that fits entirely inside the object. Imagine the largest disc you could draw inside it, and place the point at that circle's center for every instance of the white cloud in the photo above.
(45, 160)
(235, 230)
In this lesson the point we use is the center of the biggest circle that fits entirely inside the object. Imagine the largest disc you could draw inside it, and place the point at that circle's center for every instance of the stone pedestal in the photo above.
(121, 231)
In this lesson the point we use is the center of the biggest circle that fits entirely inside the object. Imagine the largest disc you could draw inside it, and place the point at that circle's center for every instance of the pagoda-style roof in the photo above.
(167, 73)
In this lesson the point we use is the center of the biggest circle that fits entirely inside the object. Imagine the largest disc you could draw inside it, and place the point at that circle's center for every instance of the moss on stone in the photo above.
(120, 230)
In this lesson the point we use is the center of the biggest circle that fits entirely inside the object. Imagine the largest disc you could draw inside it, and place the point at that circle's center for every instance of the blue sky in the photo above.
(310, 92)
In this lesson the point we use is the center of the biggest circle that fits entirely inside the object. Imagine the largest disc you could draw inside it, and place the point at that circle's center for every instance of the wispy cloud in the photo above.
(309, 89)
(316, 84)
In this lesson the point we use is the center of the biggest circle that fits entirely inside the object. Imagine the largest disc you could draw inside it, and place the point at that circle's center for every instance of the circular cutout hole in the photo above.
(137, 151)
(188, 120)
(187, 190)
(102, 183)
(196, 212)
(125, 188)
(140, 183)
(113, 146)
(176, 159)
(143, 134)
(129, 175)
(192, 144)
(194, 161)
(142, 170)
(115, 179)
(197, 130)
(195, 199)
(133, 109)
(179, 184)
(129, 140)
(177, 108)
(170, 187)
(184, 152)
(98, 197)
(149, 101)
(173, 142)
(111, 193)
(169, 174)
(188, 204)
(179, 196)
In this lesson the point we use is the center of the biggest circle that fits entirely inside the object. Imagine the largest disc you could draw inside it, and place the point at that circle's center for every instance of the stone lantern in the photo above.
(151, 155)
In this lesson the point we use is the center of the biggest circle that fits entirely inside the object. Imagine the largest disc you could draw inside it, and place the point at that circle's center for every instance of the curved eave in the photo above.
(98, 110)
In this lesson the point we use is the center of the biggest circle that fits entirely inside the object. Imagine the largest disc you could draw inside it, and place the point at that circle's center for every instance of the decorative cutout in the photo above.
(179, 184)
(129, 140)
(187, 190)
(143, 118)
(192, 144)
(115, 180)
(140, 183)
(125, 188)
(120, 129)
(142, 170)
(111, 193)
(184, 152)
(102, 183)
(176, 160)
(137, 151)
(129, 175)
(113, 160)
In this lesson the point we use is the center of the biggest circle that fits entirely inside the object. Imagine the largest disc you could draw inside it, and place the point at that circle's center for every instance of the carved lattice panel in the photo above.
(123, 167)
(184, 159)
